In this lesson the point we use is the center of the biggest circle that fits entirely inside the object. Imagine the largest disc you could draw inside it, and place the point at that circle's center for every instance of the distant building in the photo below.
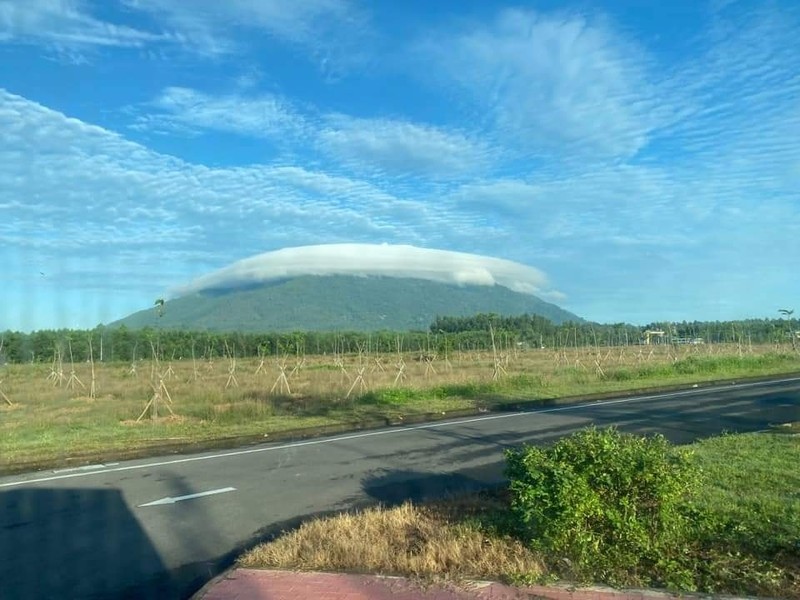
(656, 335)
(693, 341)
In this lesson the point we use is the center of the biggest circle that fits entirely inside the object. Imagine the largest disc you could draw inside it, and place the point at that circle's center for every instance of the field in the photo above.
(748, 543)
(62, 414)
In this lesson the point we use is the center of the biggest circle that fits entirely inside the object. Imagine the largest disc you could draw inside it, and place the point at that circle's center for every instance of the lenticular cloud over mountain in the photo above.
(366, 260)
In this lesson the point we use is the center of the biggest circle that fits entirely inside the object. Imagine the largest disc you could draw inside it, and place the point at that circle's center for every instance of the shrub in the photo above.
(621, 375)
(608, 505)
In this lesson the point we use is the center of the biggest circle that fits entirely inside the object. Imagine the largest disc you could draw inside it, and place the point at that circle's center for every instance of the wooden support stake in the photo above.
(3, 395)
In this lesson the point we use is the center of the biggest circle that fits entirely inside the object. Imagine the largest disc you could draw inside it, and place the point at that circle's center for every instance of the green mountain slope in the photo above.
(340, 303)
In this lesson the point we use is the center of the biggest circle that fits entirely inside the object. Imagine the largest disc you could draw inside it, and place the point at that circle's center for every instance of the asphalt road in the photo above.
(102, 532)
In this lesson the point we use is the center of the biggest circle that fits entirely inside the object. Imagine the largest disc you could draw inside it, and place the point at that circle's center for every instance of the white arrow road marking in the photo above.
(189, 497)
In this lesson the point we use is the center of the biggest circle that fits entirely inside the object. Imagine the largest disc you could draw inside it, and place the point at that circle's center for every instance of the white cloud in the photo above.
(733, 141)
(87, 190)
(295, 21)
(325, 27)
(739, 96)
(512, 198)
(255, 116)
(402, 147)
(372, 260)
(66, 24)
(373, 146)
(552, 84)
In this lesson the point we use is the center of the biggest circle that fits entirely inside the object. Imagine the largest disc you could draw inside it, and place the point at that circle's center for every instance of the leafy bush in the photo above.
(609, 506)
(645, 371)
(621, 375)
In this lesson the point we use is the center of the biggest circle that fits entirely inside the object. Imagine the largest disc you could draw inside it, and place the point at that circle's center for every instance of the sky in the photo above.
(644, 157)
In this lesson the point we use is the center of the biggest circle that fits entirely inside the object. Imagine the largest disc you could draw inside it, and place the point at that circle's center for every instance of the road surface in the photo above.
(162, 527)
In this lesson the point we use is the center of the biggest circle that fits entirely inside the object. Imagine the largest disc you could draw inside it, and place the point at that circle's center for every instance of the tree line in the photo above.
(445, 334)
(534, 329)
(126, 345)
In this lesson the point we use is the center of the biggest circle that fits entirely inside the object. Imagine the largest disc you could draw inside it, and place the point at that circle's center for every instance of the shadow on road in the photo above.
(395, 487)
(72, 543)
(81, 543)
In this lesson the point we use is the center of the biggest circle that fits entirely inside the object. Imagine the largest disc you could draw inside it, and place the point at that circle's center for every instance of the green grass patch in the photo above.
(752, 490)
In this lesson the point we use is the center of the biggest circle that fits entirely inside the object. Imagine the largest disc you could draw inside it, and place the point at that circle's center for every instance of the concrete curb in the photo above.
(476, 588)
(212, 583)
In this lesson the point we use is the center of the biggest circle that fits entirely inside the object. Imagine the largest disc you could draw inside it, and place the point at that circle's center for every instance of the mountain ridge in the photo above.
(338, 303)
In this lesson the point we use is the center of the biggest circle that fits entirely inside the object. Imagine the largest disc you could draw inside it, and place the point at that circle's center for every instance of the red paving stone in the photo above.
(253, 584)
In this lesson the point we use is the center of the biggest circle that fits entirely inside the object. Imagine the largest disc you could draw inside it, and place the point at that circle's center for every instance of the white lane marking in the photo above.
(188, 497)
(436, 425)
(86, 468)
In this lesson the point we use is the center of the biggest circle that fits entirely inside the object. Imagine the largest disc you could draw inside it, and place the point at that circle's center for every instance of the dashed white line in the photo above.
(86, 468)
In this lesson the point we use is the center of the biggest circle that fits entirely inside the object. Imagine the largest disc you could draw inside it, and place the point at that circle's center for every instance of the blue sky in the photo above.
(645, 156)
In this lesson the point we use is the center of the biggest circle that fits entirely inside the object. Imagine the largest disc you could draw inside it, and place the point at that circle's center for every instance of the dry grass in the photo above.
(429, 542)
(51, 424)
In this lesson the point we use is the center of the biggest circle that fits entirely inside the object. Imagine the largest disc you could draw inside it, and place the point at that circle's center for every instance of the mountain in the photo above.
(339, 303)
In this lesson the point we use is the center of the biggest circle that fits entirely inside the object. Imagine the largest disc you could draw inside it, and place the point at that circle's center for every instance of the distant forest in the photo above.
(445, 334)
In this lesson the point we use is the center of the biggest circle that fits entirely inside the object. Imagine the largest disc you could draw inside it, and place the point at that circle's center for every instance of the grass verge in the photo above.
(748, 540)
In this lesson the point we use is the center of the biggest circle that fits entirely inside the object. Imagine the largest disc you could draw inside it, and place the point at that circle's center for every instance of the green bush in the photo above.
(645, 371)
(692, 365)
(606, 506)
(621, 375)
